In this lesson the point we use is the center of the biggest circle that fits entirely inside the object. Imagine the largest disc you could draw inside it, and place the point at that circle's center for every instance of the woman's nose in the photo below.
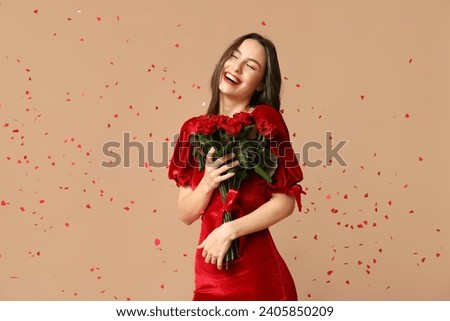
(237, 67)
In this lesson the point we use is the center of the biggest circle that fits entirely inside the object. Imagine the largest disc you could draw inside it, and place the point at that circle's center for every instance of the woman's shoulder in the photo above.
(187, 126)
(273, 116)
(268, 112)
(265, 109)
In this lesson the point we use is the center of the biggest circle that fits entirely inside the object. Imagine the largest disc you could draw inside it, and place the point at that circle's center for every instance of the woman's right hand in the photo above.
(215, 170)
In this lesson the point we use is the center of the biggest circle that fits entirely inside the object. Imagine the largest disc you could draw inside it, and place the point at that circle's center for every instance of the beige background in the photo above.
(77, 74)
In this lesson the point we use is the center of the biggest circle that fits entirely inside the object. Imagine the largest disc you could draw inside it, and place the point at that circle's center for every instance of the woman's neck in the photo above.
(230, 107)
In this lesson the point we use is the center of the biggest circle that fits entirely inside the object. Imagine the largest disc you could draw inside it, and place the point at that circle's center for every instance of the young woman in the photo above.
(246, 79)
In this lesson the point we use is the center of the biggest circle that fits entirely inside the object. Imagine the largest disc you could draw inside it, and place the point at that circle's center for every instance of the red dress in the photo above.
(259, 273)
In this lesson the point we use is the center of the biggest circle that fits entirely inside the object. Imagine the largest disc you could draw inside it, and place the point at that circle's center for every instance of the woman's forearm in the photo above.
(277, 208)
(192, 203)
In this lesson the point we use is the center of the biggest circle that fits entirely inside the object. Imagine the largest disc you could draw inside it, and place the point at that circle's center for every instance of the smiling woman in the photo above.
(245, 84)
(255, 51)
(242, 74)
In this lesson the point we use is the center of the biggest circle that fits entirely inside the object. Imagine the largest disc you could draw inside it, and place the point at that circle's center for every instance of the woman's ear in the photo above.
(260, 87)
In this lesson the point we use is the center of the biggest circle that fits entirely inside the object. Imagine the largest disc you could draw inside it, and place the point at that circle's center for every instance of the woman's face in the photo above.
(243, 72)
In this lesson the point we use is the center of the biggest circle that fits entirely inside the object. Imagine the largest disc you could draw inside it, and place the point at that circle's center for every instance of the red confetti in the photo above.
(423, 260)
(316, 237)
(438, 254)
(99, 19)
(330, 272)
(162, 286)
(3, 203)
(334, 210)
(420, 159)
(263, 23)
(177, 45)
(366, 195)
(88, 206)
(41, 201)
(347, 282)
(362, 97)
(407, 115)
(410, 60)
(66, 224)
(297, 85)
(36, 11)
(157, 242)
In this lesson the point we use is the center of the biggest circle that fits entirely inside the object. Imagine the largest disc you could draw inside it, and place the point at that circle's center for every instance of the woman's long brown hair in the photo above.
(270, 94)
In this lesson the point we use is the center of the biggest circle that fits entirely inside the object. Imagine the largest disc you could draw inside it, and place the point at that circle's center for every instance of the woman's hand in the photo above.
(215, 170)
(192, 203)
(216, 245)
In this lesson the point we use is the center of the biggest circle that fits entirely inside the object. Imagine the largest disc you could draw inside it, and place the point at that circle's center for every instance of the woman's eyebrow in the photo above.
(250, 59)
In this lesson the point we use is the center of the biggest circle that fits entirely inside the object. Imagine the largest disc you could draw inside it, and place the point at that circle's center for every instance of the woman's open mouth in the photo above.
(231, 79)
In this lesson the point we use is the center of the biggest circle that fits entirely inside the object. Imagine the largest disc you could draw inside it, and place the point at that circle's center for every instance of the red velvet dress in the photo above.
(259, 273)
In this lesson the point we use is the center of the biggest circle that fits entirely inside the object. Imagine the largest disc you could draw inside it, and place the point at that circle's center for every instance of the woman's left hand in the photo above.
(216, 245)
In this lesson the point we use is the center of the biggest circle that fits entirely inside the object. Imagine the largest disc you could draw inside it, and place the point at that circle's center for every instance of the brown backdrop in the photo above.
(76, 75)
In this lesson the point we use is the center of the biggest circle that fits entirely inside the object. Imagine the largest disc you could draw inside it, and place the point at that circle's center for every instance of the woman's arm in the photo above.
(192, 203)
(217, 243)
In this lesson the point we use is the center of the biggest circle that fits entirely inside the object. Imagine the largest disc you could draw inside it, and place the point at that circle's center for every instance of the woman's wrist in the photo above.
(205, 187)
(232, 229)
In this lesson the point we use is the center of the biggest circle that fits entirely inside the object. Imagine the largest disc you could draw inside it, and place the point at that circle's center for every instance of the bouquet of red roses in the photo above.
(247, 138)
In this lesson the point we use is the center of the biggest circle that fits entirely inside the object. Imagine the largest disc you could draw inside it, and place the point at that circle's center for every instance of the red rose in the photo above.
(205, 125)
(244, 118)
(231, 126)
(265, 128)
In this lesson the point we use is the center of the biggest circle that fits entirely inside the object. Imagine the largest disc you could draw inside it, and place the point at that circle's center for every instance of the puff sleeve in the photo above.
(288, 173)
(182, 163)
